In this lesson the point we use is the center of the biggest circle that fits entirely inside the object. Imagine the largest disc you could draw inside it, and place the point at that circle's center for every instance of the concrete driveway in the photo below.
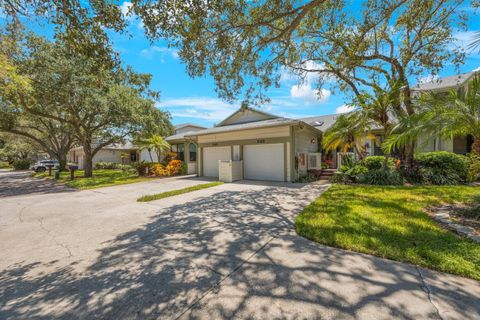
(224, 252)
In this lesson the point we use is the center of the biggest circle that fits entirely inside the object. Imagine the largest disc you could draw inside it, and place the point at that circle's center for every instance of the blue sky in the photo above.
(195, 100)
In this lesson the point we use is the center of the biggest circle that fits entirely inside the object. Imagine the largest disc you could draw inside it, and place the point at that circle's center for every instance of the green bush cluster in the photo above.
(4, 165)
(436, 168)
(107, 165)
(22, 164)
(442, 168)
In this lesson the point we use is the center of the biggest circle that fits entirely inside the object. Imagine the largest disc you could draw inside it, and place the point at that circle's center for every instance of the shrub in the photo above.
(168, 157)
(381, 177)
(307, 178)
(354, 172)
(184, 168)
(442, 167)
(173, 168)
(127, 168)
(143, 167)
(376, 162)
(348, 174)
(107, 165)
(473, 162)
(158, 170)
(22, 164)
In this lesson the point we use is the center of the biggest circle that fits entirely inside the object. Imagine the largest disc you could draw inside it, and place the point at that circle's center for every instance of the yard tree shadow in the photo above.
(20, 183)
(227, 250)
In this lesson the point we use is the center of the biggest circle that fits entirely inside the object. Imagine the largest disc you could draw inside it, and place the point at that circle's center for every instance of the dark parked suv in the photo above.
(41, 166)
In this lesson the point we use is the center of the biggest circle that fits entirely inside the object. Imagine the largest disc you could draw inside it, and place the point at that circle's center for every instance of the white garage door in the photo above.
(264, 162)
(211, 156)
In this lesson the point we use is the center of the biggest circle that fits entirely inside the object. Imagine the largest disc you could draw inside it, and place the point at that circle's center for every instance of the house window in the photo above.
(179, 150)
(133, 156)
(192, 152)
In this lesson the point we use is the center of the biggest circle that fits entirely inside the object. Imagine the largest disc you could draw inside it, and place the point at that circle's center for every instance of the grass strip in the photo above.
(178, 191)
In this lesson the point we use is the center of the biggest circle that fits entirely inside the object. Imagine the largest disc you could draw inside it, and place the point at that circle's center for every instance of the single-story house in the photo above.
(269, 147)
(122, 153)
(185, 148)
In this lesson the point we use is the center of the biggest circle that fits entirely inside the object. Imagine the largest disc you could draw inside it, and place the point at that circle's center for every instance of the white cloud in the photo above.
(476, 69)
(344, 108)
(428, 78)
(125, 8)
(463, 39)
(205, 108)
(161, 51)
(308, 94)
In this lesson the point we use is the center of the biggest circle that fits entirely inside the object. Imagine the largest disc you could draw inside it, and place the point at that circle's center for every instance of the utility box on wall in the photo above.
(229, 171)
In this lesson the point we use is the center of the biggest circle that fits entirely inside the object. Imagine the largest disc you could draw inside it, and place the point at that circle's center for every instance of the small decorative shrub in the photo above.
(173, 168)
(22, 164)
(473, 161)
(184, 168)
(142, 167)
(158, 170)
(127, 168)
(324, 165)
(381, 177)
(376, 162)
(307, 178)
(442, 167)
(348, 174)
(107, 165)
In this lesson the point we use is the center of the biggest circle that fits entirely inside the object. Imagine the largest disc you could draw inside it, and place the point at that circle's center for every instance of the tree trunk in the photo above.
(476, 145)
(87, 159)
(409, 154)
(62, 161)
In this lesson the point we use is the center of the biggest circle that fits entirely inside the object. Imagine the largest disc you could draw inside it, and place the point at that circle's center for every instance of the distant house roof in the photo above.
(180, 136)
(322, 123)
(183, 125)
(444, 83)
(114, 146)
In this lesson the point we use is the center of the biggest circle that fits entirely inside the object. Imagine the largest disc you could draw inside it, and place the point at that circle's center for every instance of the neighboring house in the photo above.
(270, 147)
(460, 145)
(119, 153)
(186, 149)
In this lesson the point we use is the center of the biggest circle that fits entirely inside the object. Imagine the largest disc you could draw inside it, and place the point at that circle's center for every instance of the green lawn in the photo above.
(390, 222)
(101, 178)
(178, 191)
(4, 165)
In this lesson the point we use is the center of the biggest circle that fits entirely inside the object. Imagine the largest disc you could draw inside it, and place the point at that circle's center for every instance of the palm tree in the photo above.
(456, 113)
(154, 142)
(347, 133)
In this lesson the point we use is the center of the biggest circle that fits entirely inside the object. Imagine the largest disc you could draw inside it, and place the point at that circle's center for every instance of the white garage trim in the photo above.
(264, 162)
(211, 156)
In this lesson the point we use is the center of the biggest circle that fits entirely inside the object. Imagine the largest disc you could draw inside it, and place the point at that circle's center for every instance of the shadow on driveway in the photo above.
(22, 183)
(164, 267)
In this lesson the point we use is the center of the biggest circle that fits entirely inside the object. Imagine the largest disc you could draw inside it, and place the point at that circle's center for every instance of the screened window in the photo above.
(192, 149)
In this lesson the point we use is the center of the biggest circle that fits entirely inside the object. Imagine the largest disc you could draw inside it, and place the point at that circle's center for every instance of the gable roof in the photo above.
(188, 124)
(445, 83)
(241, 115)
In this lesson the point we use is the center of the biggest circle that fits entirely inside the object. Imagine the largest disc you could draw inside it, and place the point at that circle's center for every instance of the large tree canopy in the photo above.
(248, 44)
(97, 106)
(81, 25)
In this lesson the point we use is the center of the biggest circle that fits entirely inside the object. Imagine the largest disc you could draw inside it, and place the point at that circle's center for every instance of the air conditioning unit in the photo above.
(314, 161)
